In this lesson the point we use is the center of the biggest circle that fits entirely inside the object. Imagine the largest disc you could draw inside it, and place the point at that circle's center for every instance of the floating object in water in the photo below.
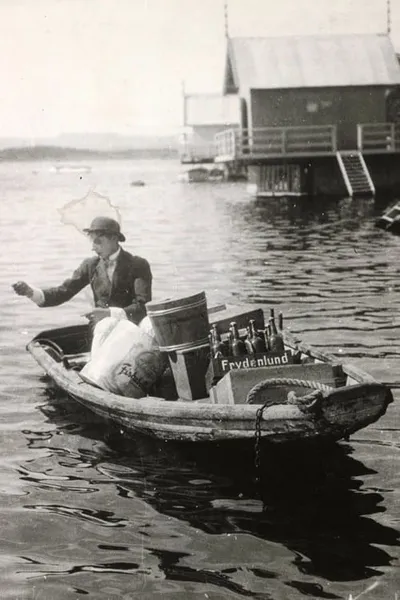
(70, 169)
(200, 174)
(390, 220)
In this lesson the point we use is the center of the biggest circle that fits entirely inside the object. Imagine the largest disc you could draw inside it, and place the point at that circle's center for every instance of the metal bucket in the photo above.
(180, 323)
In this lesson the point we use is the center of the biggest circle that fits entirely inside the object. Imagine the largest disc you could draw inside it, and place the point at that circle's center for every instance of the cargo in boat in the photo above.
(294, 395)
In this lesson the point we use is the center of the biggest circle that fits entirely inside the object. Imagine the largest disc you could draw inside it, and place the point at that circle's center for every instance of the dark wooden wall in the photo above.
(344, 107)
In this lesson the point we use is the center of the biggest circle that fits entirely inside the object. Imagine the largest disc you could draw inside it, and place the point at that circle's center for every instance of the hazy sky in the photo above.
(118, 65)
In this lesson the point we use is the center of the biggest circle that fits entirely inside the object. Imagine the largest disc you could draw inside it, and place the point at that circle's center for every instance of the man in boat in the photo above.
(120, 282)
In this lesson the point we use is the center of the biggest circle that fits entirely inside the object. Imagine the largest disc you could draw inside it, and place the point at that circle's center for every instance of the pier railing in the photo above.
(382, 137)
(233, 144)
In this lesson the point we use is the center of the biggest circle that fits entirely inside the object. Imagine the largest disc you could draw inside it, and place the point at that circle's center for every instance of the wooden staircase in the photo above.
(355, 174)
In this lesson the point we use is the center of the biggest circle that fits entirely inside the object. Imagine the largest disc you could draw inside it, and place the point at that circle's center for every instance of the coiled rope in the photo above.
(292, 398)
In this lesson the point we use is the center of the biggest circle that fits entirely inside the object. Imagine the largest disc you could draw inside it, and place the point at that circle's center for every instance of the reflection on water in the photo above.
(83, 508)
(313, 503)
(315, 510)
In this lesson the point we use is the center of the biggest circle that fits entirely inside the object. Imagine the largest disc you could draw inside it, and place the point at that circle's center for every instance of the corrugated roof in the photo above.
(313, 61)
(212, 109)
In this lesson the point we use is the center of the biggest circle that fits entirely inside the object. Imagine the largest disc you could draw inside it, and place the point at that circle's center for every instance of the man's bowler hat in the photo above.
(105, 225)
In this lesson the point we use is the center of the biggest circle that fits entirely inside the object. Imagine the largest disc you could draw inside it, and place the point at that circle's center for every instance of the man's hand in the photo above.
(97, 314)
(22, 289)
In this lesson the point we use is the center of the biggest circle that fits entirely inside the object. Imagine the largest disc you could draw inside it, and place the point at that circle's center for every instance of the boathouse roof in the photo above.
(211, 109)
(310, 61)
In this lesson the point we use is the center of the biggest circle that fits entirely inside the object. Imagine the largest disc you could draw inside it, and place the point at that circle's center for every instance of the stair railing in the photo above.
(367, 173)
(344, 173)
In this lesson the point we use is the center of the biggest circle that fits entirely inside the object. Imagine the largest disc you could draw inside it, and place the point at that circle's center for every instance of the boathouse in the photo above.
(204, 116)
(318, 114)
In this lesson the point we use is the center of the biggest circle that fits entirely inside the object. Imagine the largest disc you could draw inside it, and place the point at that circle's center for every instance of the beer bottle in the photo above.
(280, 321)
(266, 338)
(276, 339)
(217, 345)
(256, 340)
(210, 343)
(247, 341)
(238, 346)
(271, 313)
(229, 342)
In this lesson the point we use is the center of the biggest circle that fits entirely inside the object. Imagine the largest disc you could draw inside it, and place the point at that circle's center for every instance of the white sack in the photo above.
(125, 359)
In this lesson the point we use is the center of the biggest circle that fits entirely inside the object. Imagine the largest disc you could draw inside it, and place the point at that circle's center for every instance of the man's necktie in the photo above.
(103, 268)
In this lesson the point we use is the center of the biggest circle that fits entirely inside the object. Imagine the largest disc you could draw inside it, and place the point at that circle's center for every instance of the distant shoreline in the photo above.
(56, 153)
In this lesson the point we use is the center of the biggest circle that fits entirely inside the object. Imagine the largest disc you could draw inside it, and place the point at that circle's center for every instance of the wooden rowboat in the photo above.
(340, 398)
(390, 220)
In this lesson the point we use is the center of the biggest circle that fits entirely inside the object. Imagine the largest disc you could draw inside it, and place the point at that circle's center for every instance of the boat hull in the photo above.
(339, 413)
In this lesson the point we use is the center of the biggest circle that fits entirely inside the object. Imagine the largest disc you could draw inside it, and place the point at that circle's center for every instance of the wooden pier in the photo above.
(274, 142)
(307, 126)
(265, 148)
(278, 142)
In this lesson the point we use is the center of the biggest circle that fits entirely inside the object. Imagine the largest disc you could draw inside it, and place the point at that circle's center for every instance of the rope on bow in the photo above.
(304, 402)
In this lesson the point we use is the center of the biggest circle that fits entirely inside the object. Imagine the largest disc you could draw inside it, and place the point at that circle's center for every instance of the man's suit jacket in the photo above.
(130, 288)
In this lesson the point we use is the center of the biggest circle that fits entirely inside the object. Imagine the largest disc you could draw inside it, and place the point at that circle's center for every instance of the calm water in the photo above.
(87, 513)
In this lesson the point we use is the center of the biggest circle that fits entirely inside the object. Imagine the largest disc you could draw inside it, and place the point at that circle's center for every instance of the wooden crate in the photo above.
(189, 368)
(219, 367)
(236, 384)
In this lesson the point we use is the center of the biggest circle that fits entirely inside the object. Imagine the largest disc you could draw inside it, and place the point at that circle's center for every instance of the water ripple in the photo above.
(111, 517)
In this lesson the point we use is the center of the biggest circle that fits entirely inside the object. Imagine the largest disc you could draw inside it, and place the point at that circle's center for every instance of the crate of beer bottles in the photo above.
(223, 364)
(220, 366)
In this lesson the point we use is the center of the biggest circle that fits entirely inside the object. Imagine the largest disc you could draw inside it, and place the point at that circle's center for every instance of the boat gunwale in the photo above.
(204, 421)
(200, 410)
(147, 404)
